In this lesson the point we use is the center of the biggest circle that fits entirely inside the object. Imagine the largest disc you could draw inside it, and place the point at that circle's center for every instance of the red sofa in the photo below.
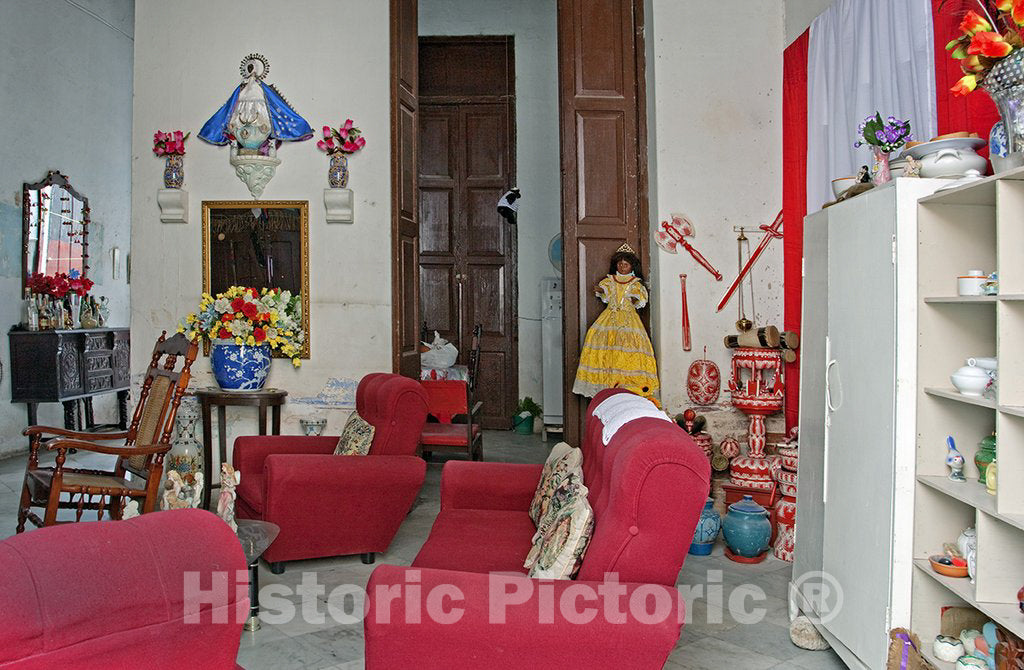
(329, 505)
(111, 594)
(647, 487)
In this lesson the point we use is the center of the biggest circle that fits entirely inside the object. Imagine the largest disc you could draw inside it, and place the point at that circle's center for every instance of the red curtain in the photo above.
(794, 200)
(975, 112)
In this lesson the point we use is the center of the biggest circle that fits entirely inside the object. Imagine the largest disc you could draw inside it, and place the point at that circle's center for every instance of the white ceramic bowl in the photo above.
(970, 380)
(950, 162)
(840, 185)
(919, 151)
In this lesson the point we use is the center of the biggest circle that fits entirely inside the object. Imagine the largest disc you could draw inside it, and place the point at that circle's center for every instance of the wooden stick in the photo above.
(686, 314)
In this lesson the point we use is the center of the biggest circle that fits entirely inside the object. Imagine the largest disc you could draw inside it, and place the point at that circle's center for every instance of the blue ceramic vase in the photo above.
(746, 527)
(708, 525)
(240, 367)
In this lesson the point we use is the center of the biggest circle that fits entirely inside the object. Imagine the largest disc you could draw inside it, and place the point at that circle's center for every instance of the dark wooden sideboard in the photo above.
(70, 365)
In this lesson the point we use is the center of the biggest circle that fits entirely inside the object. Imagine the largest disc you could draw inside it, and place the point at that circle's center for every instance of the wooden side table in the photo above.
(210, 396)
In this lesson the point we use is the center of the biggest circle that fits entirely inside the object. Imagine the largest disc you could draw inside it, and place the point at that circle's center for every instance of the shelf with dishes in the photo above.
(953, 394)
(1007, 615)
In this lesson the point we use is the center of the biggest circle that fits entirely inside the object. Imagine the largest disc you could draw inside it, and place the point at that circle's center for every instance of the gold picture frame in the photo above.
(226, 213)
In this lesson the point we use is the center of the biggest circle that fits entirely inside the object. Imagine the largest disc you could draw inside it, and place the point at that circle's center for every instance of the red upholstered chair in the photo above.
(110, 594)
(329, 505)
(447, 399)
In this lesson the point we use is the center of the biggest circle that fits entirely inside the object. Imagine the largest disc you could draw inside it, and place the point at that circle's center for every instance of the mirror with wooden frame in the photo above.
(262, 244)
(55, 219)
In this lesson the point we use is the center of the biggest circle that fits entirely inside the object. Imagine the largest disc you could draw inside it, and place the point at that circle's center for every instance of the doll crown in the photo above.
(625, 248)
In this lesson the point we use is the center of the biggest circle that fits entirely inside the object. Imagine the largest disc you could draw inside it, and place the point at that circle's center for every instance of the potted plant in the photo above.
(244, 325)
(526, 415)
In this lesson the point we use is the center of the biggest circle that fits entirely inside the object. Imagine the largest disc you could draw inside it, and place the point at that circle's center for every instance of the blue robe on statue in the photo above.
(286, 124)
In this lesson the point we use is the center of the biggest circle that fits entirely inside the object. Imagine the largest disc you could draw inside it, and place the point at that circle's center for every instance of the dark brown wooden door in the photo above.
(604, 189)
(405, 228)
(467, 250)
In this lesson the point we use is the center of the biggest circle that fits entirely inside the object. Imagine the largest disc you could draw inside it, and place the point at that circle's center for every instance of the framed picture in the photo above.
(258, 243)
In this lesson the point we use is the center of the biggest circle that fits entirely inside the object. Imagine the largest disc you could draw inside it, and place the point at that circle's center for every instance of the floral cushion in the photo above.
(562, 540)
(356, 437)
(562, 460)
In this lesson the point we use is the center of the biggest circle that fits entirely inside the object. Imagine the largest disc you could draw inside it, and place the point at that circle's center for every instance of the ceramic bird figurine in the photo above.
(955, 461)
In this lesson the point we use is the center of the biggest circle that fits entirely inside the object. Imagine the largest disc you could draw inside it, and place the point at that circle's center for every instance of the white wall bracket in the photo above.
(340, 205)
(173, 204)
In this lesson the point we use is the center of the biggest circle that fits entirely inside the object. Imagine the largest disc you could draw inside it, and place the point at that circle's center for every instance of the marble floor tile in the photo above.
(715, 637)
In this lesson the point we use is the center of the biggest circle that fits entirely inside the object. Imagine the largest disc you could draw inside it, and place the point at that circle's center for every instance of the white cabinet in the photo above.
(857, 419)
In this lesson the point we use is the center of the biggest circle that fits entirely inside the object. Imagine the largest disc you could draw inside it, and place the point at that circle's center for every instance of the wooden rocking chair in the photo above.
(147, 440)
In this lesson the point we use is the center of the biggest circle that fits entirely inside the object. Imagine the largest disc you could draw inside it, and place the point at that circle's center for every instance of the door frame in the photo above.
(573, 410)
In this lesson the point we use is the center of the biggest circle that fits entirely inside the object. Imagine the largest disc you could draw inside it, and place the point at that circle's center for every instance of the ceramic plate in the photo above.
(922, 150)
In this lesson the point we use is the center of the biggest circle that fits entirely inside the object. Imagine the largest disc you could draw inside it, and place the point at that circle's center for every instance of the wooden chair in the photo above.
(445, 400)
(146, 441)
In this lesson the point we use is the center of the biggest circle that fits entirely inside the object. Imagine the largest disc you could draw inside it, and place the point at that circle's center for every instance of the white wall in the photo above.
(717, 144)
(534, 25)
(67, 83)
(330, 59)
(799, 14)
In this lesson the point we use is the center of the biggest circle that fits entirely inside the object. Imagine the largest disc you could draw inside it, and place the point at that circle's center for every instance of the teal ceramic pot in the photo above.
(708, 525)
(746, 527)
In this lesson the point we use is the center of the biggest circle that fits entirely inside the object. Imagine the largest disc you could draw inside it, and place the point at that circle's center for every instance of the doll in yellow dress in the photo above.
(617, 351)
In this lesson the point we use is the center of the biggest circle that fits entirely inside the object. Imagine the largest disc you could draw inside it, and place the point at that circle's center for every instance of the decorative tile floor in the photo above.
(711, 640)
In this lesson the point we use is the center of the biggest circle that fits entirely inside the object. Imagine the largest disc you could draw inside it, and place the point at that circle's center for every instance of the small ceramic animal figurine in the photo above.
(863, 175)
(131, 509)
(955, 461)
(229, 479)
(912, 168)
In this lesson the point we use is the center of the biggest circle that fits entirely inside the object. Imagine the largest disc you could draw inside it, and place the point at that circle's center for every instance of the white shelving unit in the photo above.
(980, 225)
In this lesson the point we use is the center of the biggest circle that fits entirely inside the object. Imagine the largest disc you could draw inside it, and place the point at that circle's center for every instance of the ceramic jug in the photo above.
(707, 530)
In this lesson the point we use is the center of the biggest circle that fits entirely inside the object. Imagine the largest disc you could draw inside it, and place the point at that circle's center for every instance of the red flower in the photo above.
(966, 84)
(990, 45)
(254, 293)
(259, 334)
(250, 310)
(227, 318)
(236, 305)
(224, 334)
(974, 23)
(1018, 12)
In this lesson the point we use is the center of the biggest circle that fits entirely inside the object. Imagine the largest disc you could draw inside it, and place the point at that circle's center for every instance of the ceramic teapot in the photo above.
(970, 380)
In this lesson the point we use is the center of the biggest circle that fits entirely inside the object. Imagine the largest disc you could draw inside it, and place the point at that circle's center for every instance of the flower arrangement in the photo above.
(169, 144)
(987, 38)
(250, 316)
(886, 136)
(59, 284)
(346, 139)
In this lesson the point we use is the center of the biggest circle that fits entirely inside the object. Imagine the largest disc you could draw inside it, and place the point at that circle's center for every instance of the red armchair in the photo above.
(110, 594)
(329, 505)
(646, 487)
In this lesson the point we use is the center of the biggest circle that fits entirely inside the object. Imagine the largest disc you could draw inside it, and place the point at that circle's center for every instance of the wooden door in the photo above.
(405, 243)
(467, 250)
(860, 428)
(604, 149)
